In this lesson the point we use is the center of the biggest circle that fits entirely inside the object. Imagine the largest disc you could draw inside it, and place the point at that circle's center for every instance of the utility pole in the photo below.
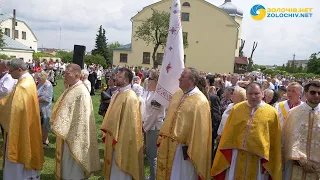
(294, 58)
(60, 40)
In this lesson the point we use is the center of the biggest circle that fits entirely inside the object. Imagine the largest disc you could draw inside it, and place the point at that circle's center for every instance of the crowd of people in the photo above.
(225, 126)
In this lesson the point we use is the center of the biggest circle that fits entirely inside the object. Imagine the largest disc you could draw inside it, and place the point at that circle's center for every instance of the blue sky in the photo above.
(278, 38)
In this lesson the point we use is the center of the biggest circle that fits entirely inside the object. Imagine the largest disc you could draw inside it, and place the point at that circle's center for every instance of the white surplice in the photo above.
(183, 169)
(116, 173)
(286, 107)
(15, 171)
(71, 169)
(230, 173)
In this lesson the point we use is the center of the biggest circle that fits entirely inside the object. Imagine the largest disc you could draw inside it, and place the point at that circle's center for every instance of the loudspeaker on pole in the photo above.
(78, 55)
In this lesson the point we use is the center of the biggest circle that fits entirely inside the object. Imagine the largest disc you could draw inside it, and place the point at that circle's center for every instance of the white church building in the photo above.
(20, 41)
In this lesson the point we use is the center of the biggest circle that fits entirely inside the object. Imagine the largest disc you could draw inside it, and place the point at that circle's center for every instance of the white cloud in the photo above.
(79, 21)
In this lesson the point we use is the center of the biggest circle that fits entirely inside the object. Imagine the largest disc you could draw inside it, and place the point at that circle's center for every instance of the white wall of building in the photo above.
(30, 41)
(26, 55)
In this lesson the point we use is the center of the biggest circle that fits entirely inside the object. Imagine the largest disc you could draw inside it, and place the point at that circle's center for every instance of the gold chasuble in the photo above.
(188, 122)
(301, 139)
(20, 119)
(73, 122)
(256, 135)
(122, 135)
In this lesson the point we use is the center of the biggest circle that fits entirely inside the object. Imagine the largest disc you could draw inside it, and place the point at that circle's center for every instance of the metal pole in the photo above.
(60, 40)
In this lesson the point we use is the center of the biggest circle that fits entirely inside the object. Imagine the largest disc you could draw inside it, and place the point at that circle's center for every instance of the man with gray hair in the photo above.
(20, 119)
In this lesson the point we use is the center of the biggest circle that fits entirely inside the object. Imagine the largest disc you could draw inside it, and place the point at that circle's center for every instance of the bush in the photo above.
(95, 59)
(66, 57)
(38, 55)
(3, 56)
(272, 72)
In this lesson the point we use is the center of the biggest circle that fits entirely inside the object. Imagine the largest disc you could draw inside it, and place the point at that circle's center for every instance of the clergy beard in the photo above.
(312, 103)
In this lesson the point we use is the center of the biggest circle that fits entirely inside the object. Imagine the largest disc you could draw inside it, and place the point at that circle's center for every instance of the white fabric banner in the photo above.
(173, 60)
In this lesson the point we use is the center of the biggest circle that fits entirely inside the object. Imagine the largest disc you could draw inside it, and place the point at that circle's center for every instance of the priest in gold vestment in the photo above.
(250, 145)
(185, 138)
(122, 132)
(20, 119)
(77, 150)
(301, 138)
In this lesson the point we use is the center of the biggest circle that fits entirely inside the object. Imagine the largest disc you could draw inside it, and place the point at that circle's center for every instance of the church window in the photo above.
(186, 4)
(146, 58)
(16, 34)
(160, 58)
(185, 16)
(7, 31)
(24, 35)
(123, 58)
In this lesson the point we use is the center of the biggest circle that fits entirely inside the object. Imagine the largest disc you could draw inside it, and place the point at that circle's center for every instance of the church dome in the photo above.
(231, 9)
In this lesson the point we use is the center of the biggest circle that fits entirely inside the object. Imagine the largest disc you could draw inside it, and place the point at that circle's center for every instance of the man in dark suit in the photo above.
(215, 113)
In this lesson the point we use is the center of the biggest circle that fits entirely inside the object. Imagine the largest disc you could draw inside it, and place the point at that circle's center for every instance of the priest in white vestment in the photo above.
(301, 138)
(294, 92)
(77, 149)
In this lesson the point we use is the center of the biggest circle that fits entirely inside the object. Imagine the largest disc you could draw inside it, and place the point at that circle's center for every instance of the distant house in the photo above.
(20, 42)
(240, 65)
(23, 33)
(15, 49)
(298, 63)
(50, 51)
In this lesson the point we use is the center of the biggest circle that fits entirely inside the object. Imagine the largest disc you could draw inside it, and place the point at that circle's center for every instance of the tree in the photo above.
(38, 55)
(95, 59)
(299, 69)
(101, 47)
(2, 43)
(65, 56)
(4, 56)
(314, 63)
(241, 53)
(154, 30)
(257, 67)
(111, 46)
(255, 44)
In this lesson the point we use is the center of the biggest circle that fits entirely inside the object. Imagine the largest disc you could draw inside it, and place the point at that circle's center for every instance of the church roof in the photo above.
(231, 9)
(241, 60)
(13, 44)
(126, 47)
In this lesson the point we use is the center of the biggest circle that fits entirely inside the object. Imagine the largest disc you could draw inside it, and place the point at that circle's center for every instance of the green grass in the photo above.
(49, 153)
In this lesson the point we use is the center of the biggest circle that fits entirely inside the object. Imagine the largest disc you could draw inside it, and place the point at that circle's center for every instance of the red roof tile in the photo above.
(241, 60)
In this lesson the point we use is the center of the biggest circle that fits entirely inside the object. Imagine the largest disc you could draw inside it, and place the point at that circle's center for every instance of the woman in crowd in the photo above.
(219, 84)
(152, 122)
(238, 96)
(37, 67)
(271, 97)
(139, 92)
(84, 79)
(45, 93)
(107, 94)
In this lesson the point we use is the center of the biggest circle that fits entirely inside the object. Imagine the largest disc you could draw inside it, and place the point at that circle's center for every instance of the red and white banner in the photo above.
(173, 60)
